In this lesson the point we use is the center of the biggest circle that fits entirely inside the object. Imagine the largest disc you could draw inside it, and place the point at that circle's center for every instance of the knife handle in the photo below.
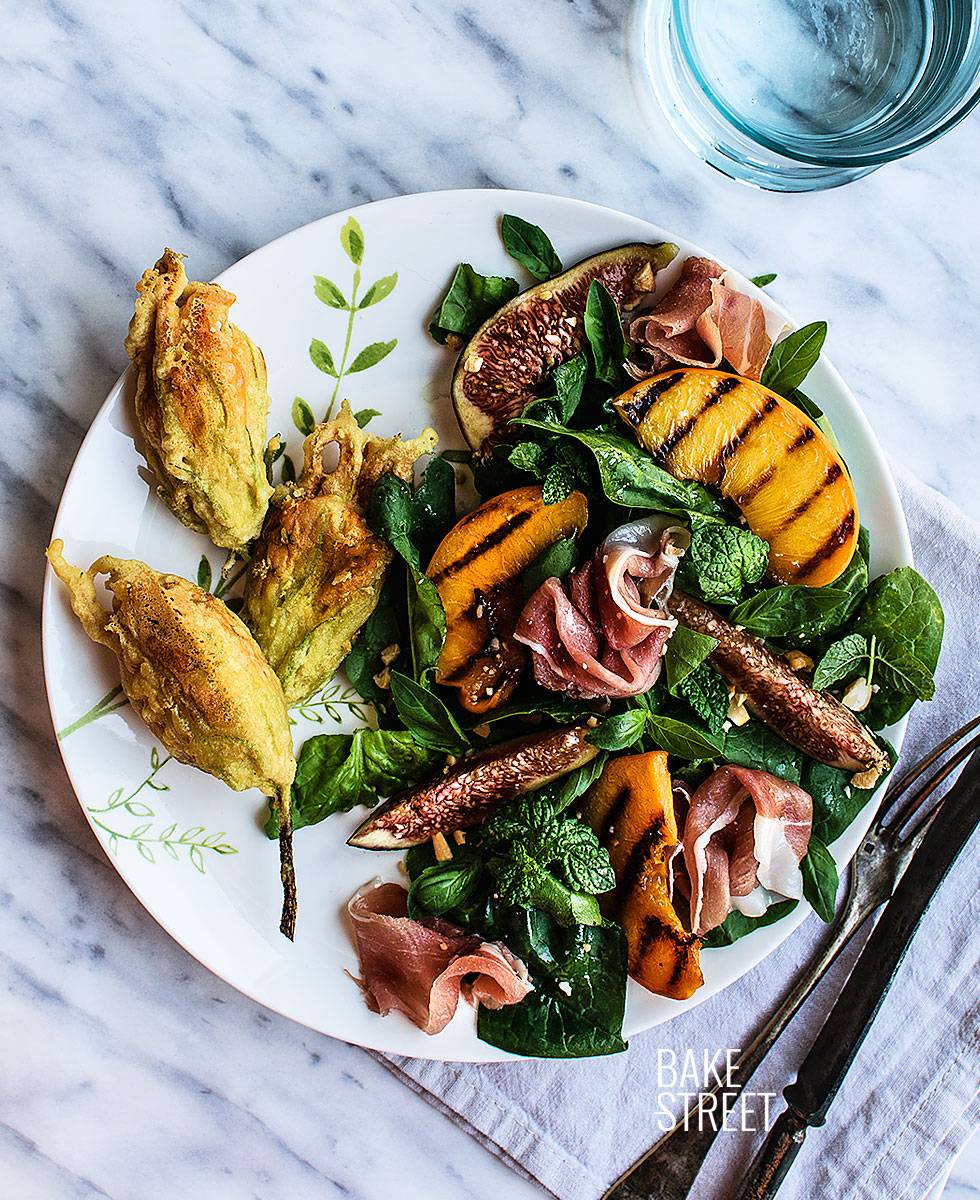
(775, 1158)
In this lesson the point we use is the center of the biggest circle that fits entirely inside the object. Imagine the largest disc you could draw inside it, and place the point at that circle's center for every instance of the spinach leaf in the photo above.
(735, 926)
(530, 246)
(843, 659)
(604, 333)
(682, 739)
(754, 745)
(425, 716)
(620, 731)
(579, 999)
(470, 300)
(381, 633)
(629, 475)
(790, 360)
(722, 560)
(444, 885)
(686, 651)
(707, 693)
(410, 524)
(836, 801)
(904, 615)
(789, 609)
(764, 280)
(820, 879)
(336, 771)
(553, 563)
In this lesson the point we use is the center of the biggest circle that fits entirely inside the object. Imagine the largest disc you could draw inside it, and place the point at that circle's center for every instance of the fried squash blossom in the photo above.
(201, 404)
(316, 571)
(193, 673)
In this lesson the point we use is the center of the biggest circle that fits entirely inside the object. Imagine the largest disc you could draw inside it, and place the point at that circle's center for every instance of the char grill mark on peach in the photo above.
(840, 535)
(834, 472)
(741, 434)
(720, 390)
(645, 846)
(799, 442)
(493, 539)
(639, 408)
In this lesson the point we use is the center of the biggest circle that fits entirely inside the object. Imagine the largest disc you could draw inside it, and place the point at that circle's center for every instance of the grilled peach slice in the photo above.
(477, 571)
(631, 809)
(763, 453)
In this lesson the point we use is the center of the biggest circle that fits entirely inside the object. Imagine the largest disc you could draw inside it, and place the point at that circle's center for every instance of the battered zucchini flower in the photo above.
(316, 571)
(201, 404)
(193, 673)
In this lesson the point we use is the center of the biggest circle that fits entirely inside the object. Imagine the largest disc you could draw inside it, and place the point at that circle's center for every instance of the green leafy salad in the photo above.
(563, 389)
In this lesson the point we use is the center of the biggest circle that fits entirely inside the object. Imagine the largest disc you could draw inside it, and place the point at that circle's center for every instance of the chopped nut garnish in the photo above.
(482, 730)
(390, 653)
(451, 760)
(459, 837)
(858, 695)
(799, 661)
(476, 362)
(738, 714)
(441, 848)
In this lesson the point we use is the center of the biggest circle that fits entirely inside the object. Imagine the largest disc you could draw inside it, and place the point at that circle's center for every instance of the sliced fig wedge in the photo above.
(470, 791)
(812, 721)
(511, 355)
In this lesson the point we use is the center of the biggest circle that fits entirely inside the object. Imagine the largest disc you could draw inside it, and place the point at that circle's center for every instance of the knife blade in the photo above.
(823, 1070)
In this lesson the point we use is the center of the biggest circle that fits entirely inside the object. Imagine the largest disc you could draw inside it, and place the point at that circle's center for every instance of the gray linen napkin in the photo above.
(909, 1102)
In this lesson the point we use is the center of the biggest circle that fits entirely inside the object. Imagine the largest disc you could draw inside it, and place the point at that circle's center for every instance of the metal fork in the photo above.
(668, 1169)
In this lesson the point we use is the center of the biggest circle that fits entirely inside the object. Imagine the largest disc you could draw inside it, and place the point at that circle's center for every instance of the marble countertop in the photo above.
(127, 1069)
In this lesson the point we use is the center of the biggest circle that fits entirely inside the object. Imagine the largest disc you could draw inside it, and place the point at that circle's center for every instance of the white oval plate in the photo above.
(193, 851)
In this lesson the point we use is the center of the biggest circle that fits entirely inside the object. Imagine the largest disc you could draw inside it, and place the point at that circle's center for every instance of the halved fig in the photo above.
(465, 795)
(510, 355)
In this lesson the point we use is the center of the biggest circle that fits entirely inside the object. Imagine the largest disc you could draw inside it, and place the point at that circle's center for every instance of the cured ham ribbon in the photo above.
(420, 968)
(745, 834)
(604, 633)
(701, 321)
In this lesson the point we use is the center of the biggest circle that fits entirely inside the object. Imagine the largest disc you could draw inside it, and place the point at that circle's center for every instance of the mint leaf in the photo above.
(558, 483)
(723, 559)
(790, 360)
(530, 457)
(843, 659)
(530, 246)
(707, 693)
(581, 858)
(469, 301)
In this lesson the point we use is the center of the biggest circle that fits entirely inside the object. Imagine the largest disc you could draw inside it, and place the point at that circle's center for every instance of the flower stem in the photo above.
(352, 309)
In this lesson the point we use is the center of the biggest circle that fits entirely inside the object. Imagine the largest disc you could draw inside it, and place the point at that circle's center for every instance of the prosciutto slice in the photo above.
(745, 834)
(604, 633)
(701, 321)
(420, 968)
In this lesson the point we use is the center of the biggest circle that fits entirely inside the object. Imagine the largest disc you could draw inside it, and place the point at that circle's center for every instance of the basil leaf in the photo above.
(619, 732)
(470, 300)
(426, 717)
(707, 693)
(763, 280)
(442, 886)
(336, 771)
(686, 651)
(604, 333)
(530, 246)
(554, 563)
(820, 879)
(790, 360)
(803, 402)
(788, 609)
(723, 560)
(579, 999)
(736, 926)
(629, 475)
(681, 739)
(843, 659)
